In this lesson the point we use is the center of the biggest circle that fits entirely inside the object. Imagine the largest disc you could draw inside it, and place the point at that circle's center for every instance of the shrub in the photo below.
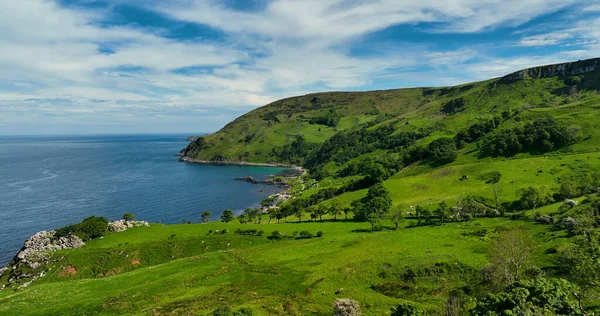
(224, 231)
(305, 234)
(319, 234)
(407, 309)
(91, 227)
(276, 235)
(260, 233)
(128, 217)
(346, 307)
(240, 231)
(210, 232)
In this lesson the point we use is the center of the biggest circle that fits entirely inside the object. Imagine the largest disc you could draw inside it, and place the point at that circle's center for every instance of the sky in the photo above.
(191, 66)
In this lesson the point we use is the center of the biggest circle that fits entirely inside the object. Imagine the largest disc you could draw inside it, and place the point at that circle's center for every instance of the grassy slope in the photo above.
(271, 277)
(415, 108)
(181, 275)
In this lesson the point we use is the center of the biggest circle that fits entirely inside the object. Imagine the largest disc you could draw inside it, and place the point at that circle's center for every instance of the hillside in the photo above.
(328, 132)
(182, 270)
(479, 199)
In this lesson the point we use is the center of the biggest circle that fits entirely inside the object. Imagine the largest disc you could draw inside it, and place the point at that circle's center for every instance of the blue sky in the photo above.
(190, 66)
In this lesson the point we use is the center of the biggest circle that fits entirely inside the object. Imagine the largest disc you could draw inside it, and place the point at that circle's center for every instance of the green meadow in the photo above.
(183, 270)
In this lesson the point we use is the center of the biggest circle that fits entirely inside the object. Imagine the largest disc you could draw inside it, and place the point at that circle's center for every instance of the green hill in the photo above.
(479, 199)
(333, 133)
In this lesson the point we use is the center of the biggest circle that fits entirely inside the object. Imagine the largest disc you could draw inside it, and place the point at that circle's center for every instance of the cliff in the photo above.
(562, 69)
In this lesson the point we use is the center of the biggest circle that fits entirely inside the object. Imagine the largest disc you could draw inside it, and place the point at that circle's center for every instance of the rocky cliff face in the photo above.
(564, 69)
(34, 259)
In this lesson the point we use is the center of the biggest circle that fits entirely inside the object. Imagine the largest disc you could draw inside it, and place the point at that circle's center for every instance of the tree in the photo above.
(442, 210)
(496, 191)
(376, 173)
(242, 218)
(273, 213)
(407, 309)
(346, 211)
(582, 261)
(91, 227)
(398, 215)
(227, 216)
(568, 189)
(128, 217)
(532, 197)
(250, 214)
(442, 150)
(540, 296)
(299, 212)
(510, 256)
(335, 209)
(376, 204)
(257, 214)
(205, 216)
(418, 213)
(318, 211)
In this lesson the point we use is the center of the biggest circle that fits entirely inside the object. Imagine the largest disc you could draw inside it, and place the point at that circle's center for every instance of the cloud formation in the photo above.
(84, 63)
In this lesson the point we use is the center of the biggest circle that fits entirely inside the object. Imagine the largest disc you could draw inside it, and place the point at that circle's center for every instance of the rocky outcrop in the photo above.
(250, 179)
(34, 259)
(192, 138)
(36, 248)
(123, 225)
(564, 69)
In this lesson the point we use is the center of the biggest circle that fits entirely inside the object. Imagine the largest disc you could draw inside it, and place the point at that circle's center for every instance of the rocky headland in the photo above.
(35, 258)
(547, 71)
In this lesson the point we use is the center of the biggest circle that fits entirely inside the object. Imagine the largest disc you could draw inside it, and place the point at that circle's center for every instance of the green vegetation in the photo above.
(91, 227)
(480, 199)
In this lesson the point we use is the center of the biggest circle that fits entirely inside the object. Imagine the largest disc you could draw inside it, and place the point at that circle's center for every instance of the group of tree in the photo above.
(250, 215)
(374, 207)
(538, 136)
(294, 152)
(344, 146)
(330, 119)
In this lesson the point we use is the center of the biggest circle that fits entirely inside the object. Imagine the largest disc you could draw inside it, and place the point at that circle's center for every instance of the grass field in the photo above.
(182, 270)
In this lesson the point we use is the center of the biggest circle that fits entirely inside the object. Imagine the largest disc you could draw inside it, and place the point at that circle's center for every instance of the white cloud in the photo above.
(52, 59)
(544, 39)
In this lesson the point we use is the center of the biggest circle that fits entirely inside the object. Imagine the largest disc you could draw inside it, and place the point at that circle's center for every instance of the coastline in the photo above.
(240, 163)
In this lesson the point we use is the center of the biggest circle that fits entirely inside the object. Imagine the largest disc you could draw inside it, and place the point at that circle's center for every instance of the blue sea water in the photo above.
(50, 182)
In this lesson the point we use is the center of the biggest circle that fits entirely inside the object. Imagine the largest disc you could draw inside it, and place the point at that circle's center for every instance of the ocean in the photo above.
(48, 182)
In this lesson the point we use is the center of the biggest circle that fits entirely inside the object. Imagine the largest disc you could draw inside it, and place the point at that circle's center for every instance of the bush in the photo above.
(346, 307)
(305, 234)
(91, 227)
(276, 235)
(128, 217)
(260, 233)
(319, 234)
(407, 309)
(240, 231)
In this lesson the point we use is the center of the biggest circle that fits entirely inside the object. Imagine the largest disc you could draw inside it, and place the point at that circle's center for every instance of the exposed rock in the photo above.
(123, 225)
(37, 246)
(250, 179)
(570, 202)
(193, 138)
(34, 257)
(564, 69)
